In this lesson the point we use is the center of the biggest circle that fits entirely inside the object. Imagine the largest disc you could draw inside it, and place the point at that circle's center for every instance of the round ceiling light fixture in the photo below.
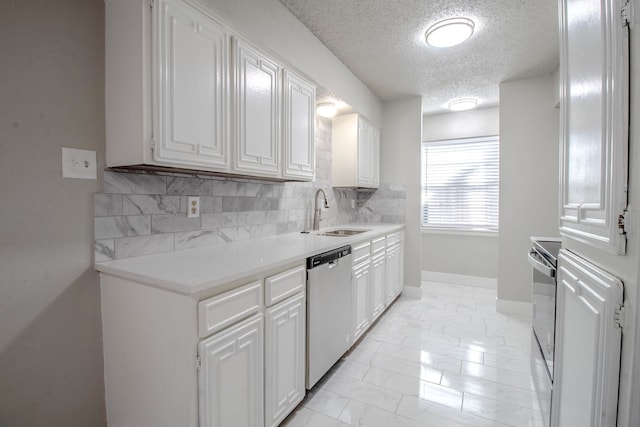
(326, 109)
(449, 32)
(463, 104)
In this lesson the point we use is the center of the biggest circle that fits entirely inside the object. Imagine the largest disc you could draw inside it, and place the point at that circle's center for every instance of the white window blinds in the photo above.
(460, 184)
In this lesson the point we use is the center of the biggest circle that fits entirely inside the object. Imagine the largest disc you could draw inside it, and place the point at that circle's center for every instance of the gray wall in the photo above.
(51, 95)
(466, 254)
(400, 162)
(529, 150)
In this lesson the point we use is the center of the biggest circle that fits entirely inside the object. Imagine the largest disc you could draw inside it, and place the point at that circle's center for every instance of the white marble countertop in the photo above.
(199, 270)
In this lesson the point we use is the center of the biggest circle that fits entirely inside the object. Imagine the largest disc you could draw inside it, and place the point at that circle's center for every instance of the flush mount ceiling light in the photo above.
(326, 109)
(463, 104)
(449, 32)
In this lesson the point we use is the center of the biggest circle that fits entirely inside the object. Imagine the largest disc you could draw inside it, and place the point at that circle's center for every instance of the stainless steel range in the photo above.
(543, 257)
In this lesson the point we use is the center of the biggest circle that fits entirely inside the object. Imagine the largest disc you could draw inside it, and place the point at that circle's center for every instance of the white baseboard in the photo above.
(459, 279)
(412, 292)
(517, 308)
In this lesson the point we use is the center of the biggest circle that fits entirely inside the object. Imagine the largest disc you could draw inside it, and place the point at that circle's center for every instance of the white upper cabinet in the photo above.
(183, 91)
(594, 109)
(191, 61)
(257, 112)
(356, 152)
(298, 127)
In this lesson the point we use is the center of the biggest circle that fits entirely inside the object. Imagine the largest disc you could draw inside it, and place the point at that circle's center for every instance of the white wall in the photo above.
(463, 124)
(271, 26)
(529, 150)
(51, 95)
(471, 255)
(400, 139)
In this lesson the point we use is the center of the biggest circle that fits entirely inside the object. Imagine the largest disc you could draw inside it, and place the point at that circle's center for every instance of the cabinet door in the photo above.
(588, 340)
(298, 127)
(284, 358)
(361, 284)
(594, 117)
(400, 264)
(375, 158)
(190, 56)
(364, 153)
(231, 376)
(257, 113)
(378, 300)
(392, 284)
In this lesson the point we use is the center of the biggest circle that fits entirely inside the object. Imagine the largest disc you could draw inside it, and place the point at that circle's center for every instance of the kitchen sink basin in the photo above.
(342, 233)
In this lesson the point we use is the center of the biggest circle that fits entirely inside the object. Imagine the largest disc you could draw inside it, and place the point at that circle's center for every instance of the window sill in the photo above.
(485, 233)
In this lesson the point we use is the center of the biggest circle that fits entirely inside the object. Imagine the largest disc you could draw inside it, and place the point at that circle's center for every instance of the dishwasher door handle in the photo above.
(540, 266)
(332, 264)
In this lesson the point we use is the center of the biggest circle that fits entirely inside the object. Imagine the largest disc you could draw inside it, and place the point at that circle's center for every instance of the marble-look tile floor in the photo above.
(445, 360)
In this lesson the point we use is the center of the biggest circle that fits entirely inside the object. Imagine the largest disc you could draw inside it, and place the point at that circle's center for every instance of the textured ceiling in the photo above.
(382, 42)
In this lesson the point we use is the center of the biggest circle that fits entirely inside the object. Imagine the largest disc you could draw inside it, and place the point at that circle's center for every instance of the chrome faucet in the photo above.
(318, 211)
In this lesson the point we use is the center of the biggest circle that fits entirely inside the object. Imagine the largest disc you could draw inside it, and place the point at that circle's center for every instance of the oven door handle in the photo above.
(540, 266)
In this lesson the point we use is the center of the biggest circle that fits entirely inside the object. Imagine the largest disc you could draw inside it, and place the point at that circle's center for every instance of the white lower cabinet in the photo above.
(235, 358)
(378, 271)
(394, 274)
(284, 358)
(361, 283)
(231, 376)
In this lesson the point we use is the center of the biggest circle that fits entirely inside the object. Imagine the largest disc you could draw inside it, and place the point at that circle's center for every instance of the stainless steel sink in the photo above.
(342, 233)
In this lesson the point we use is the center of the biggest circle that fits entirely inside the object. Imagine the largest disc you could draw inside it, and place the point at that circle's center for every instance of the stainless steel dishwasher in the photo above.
(329, 311)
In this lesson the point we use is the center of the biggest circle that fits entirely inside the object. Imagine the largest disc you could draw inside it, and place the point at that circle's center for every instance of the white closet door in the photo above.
(588, 340)
(191, 60)
(594, 72)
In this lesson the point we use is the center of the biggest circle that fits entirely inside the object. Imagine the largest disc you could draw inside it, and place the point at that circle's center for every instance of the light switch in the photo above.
(79, 164)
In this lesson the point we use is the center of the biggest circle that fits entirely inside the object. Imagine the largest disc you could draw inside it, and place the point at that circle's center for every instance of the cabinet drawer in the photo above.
(220, 311)
(377, 245)
(393, 238)
(281, 286)
(361, 251)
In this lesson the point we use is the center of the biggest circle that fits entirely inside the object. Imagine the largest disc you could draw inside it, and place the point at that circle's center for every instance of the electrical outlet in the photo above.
(193, 207)
(79, 164)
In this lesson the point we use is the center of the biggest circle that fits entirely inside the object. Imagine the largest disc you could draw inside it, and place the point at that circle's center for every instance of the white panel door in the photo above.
(191, 60)
(231, 388)
(298, 127)
(375, 158)
(285, 358)
(588, 340)
(257, 113)
(594, 122)
(392, 273)
(361, 283)
(378, 300)
(364, 153)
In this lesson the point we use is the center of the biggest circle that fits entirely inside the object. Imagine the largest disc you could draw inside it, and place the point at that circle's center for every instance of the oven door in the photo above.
(544, 305)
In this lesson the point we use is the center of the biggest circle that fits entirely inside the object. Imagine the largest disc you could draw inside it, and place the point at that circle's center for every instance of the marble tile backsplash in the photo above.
(141, 212)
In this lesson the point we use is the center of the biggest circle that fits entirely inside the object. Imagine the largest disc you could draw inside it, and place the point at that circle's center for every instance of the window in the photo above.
(460, 183)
